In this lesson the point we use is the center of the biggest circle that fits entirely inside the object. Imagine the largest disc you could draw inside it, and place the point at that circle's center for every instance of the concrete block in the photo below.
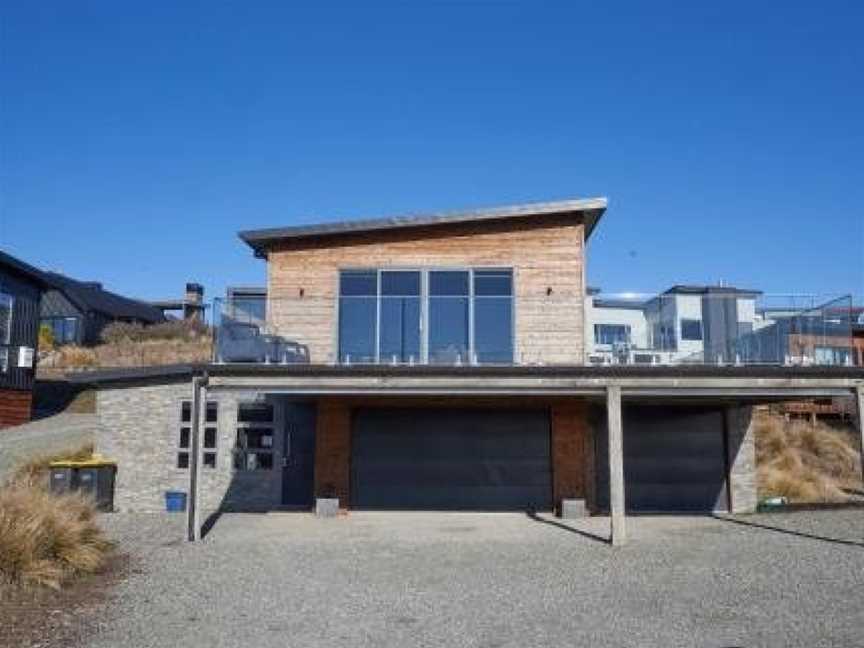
(327, 506)
(573, 508)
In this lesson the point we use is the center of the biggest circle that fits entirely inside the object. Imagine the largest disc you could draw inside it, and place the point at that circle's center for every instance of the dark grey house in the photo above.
(20, 289)
(77, 311)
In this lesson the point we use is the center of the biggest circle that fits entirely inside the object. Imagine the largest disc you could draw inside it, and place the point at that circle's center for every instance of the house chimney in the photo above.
(193, 307)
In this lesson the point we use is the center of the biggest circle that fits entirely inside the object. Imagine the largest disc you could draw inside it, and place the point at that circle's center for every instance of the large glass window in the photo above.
(400, 317)
(449, 336)
(612, 334)
(493, 315)
(358, 315)
(437, 316)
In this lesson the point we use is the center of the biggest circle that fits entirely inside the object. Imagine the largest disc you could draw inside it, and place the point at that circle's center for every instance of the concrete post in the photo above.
(859, 394)
(193, 504)
(616, 466)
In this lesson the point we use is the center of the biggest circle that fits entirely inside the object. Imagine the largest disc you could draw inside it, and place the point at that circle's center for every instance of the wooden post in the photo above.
(616, 466)
(193, 504)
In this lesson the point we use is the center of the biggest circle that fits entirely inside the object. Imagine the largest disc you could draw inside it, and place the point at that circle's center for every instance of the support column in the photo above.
(193, 504)
(616, 466)
(859, 397)
(741, 459)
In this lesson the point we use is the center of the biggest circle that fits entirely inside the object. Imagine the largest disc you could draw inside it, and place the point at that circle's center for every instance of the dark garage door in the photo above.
(440, 459)
(673, 460)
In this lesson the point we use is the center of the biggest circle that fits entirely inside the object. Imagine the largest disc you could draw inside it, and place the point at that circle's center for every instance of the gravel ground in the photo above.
(45, 436)
(400, 579)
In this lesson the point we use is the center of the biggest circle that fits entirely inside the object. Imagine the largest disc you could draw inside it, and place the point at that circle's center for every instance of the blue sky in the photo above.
(136, 139)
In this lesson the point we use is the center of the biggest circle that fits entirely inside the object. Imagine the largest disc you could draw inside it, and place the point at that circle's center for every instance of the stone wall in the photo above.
(139, 428)
(741, 459)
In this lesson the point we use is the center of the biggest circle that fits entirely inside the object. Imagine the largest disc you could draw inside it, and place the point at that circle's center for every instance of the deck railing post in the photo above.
(616, 466)
(859, 398)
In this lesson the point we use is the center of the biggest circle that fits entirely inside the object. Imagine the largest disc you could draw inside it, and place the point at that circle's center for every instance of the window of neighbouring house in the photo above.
(256, 429)
(612, 334)
(64, 330)
(441, 316)
(691, 329)
(7, 302)
(211, 434)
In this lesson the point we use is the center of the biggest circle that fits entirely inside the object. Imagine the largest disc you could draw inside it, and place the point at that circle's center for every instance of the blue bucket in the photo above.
(175, 501)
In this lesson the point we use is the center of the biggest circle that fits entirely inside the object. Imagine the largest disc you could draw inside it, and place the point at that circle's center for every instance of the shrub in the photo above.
(74, 356)
(46, 337)
(47, 539)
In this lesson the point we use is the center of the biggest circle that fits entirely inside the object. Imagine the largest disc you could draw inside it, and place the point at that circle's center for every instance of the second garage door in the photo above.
(451, 459)
(673, 460)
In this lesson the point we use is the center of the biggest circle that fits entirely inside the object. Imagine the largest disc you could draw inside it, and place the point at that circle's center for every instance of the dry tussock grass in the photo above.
(46, 539)
(805, 462)
(130, 353)
(33, 472)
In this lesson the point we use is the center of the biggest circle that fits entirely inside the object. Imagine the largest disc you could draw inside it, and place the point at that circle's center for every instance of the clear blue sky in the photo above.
(137, 138)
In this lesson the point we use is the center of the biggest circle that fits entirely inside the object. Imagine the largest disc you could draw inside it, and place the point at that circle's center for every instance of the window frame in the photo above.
(424, 297)
(209, 453)
(628, 333)
(242, 450)
(690, 321)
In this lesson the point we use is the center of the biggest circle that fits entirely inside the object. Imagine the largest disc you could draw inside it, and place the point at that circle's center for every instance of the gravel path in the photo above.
(406, 579)
(45, 436)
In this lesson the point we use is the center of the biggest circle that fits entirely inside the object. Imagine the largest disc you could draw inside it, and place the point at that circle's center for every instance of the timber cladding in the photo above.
(546, 254)
(15, 407)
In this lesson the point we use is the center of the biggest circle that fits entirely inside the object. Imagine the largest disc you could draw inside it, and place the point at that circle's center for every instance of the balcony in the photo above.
(715, 328)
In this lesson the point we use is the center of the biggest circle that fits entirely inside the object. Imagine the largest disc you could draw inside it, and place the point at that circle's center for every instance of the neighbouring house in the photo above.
(190, 307)
(445, 368)
(21, 286)
(78, 311)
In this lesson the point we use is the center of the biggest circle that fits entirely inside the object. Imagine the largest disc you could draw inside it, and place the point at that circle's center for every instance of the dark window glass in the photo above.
(186, 412)
(493, 283)
(448, 317)
(358, 283)
(255, 438)
(209, 437)
(248, 309)
(691, 329)
(253, 460)
(400, 316)
(493, 315)
(448, 283)
(210, 459)
(255, 413)
(212, 412)
(358, 313)
(611, 334)
(183, 460)
(184, 437)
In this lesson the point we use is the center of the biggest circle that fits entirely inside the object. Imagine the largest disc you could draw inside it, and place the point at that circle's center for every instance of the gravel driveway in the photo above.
(412, 579)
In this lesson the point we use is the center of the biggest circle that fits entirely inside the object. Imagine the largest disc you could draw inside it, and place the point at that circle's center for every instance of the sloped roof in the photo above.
(92, 297)
(22, 269)
(589, 210)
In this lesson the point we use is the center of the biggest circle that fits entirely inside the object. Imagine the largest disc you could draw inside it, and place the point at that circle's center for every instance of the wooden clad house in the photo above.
(444, 369)
(21, 286)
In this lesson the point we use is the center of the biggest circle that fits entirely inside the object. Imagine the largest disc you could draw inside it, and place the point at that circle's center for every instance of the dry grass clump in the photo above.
(132, 354)
(33, 472)
(805, 462)
(118, 332)
(47, 539)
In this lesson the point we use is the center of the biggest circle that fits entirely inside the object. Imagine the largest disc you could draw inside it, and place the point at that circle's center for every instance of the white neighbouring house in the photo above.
(684, 324)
